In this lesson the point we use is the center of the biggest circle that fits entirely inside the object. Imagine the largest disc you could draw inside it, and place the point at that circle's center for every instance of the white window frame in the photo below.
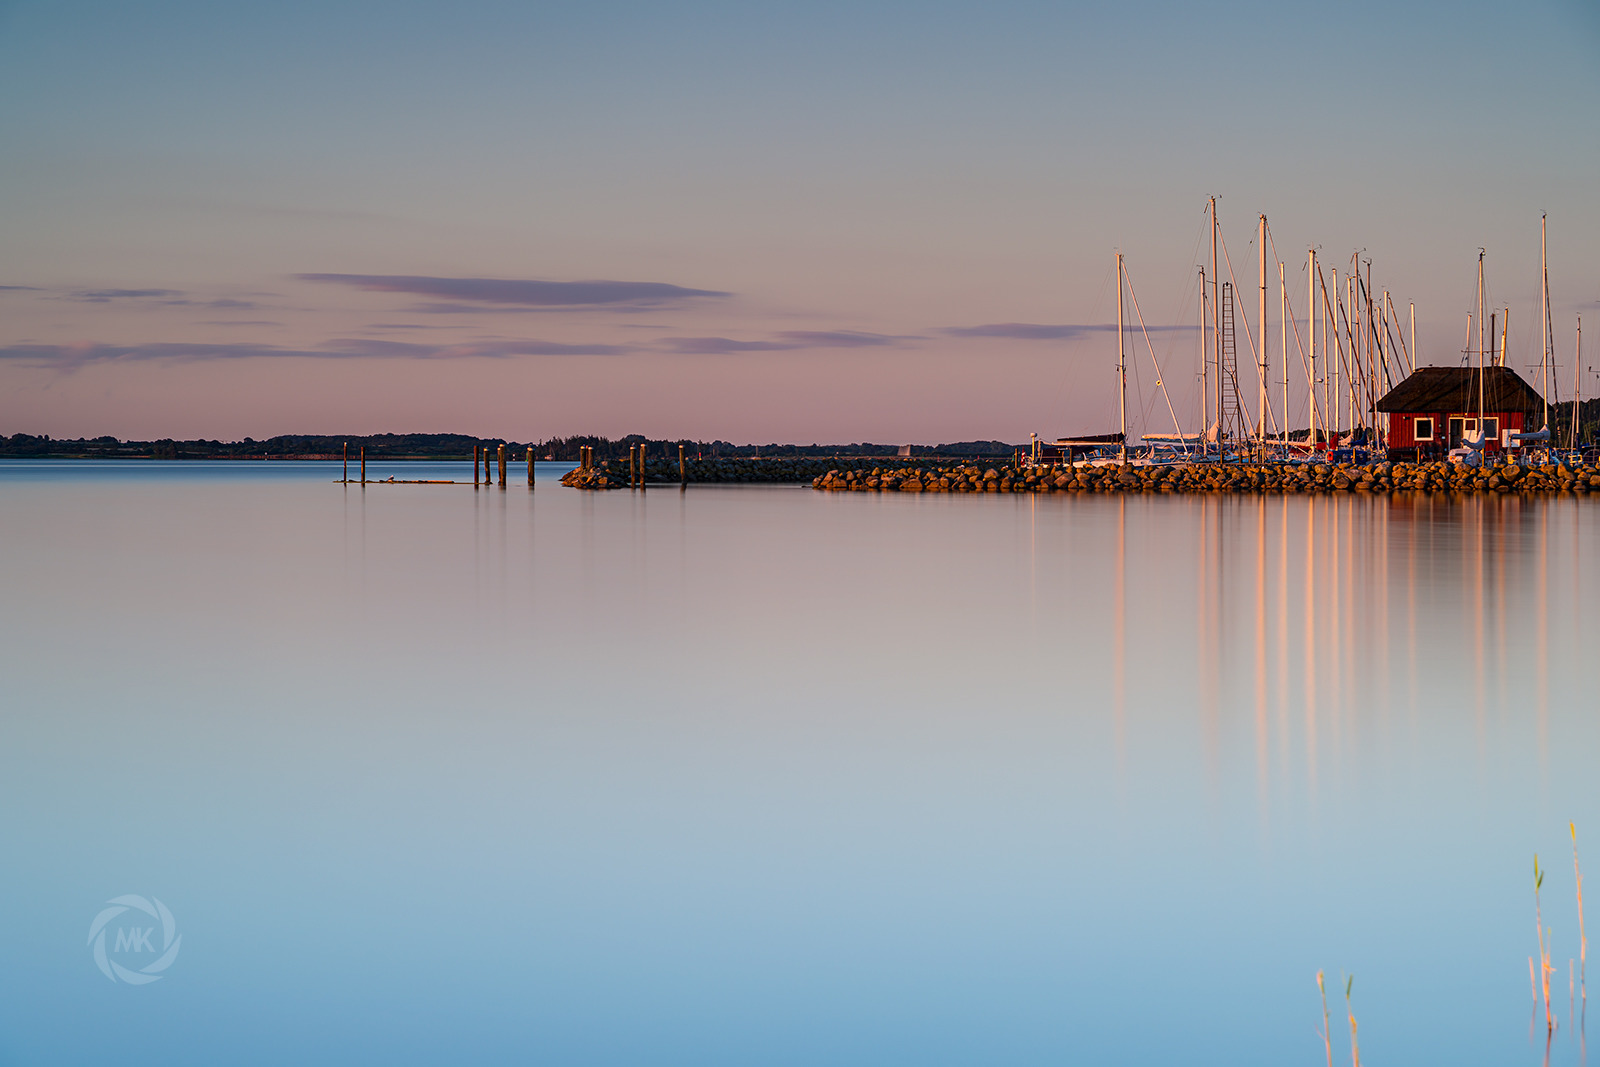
(1416, 434)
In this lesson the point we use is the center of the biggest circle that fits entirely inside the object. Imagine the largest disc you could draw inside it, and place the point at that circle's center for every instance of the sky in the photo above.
(762, 223)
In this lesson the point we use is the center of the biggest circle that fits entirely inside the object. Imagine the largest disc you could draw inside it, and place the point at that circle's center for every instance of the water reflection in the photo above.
(1332, 615)
(763, 775)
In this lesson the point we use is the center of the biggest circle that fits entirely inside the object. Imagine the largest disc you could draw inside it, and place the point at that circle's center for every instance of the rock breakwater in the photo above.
(615, 474)
(1220, 478)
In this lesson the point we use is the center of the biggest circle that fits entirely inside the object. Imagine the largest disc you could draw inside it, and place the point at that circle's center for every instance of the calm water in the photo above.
(429, 774)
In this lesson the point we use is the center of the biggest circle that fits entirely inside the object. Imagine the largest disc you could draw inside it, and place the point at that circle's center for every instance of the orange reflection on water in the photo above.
(1373, 618)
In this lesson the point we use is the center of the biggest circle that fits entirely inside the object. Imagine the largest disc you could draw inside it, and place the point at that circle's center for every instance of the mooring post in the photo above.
(633, 468)
(683, 469)
(347, 462)
(641, 467)
(502, 465)
(474, 466)
(487, 479)
(530, 467)
(363, 464)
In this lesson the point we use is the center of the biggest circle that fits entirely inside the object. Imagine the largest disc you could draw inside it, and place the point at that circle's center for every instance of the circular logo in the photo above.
(132, 942)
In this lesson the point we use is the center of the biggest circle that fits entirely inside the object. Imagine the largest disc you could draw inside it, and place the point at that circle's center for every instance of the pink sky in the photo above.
(837, 226)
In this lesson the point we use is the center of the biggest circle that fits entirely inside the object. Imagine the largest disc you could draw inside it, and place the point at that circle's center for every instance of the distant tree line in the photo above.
(450, 446)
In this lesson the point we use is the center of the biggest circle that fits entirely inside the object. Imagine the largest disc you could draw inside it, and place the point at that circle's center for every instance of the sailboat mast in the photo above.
(1413, 354)
(1311, 364)
(1359, 308)
(1546, 348)
(1388, 313)
(1332, 386)
(1411, 358)
(1122, 367)
(1205, 365)
(1261, 322)
(1283, 347)
(1358, 345)
(1577, 387)
(1374, 346)
(1480, 340)
(1382, 331)
(1216, 321)
(1494, 361)
(1353, 375)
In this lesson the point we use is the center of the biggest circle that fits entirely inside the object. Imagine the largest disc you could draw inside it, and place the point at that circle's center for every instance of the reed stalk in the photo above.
(1355, 1049)
(1327, 1040)
(1544, 952)
(1583, 939)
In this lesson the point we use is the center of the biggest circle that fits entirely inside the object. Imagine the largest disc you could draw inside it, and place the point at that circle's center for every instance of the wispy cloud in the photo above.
(73, 357)
(526, 293)
(104, 296)
(840, 338)
(719, 345)
(784, 341)
(435, 307)
(239, 322)
(19, 289)
(355, 346)
(157, 297)
(220, 305)
(1032, 331)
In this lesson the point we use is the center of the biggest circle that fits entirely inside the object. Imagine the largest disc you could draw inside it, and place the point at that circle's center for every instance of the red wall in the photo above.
(1402, 435)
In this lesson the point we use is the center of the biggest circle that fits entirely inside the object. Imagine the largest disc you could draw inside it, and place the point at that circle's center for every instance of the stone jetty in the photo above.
(613, 474)
(1502, 477)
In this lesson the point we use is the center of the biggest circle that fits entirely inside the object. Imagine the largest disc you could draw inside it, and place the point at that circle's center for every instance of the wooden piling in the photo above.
(683, 469)
(530, 468)
(502, 465)
(347, 462)
(641, 467)
(633, 467)
(363, 464)
(474, 466)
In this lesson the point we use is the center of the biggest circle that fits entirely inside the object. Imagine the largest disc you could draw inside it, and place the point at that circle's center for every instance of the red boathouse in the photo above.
(1431, 411)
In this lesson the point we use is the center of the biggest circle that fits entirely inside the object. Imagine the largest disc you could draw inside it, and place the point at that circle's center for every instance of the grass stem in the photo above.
(1583, 939)
(1327, 1041)
(1355, 1048)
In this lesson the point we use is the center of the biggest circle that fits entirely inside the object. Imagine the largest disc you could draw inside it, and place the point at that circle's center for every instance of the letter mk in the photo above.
(135, 940)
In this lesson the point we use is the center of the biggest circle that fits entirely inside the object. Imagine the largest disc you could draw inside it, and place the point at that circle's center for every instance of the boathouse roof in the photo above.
(1090, 440)
(1456, 389)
